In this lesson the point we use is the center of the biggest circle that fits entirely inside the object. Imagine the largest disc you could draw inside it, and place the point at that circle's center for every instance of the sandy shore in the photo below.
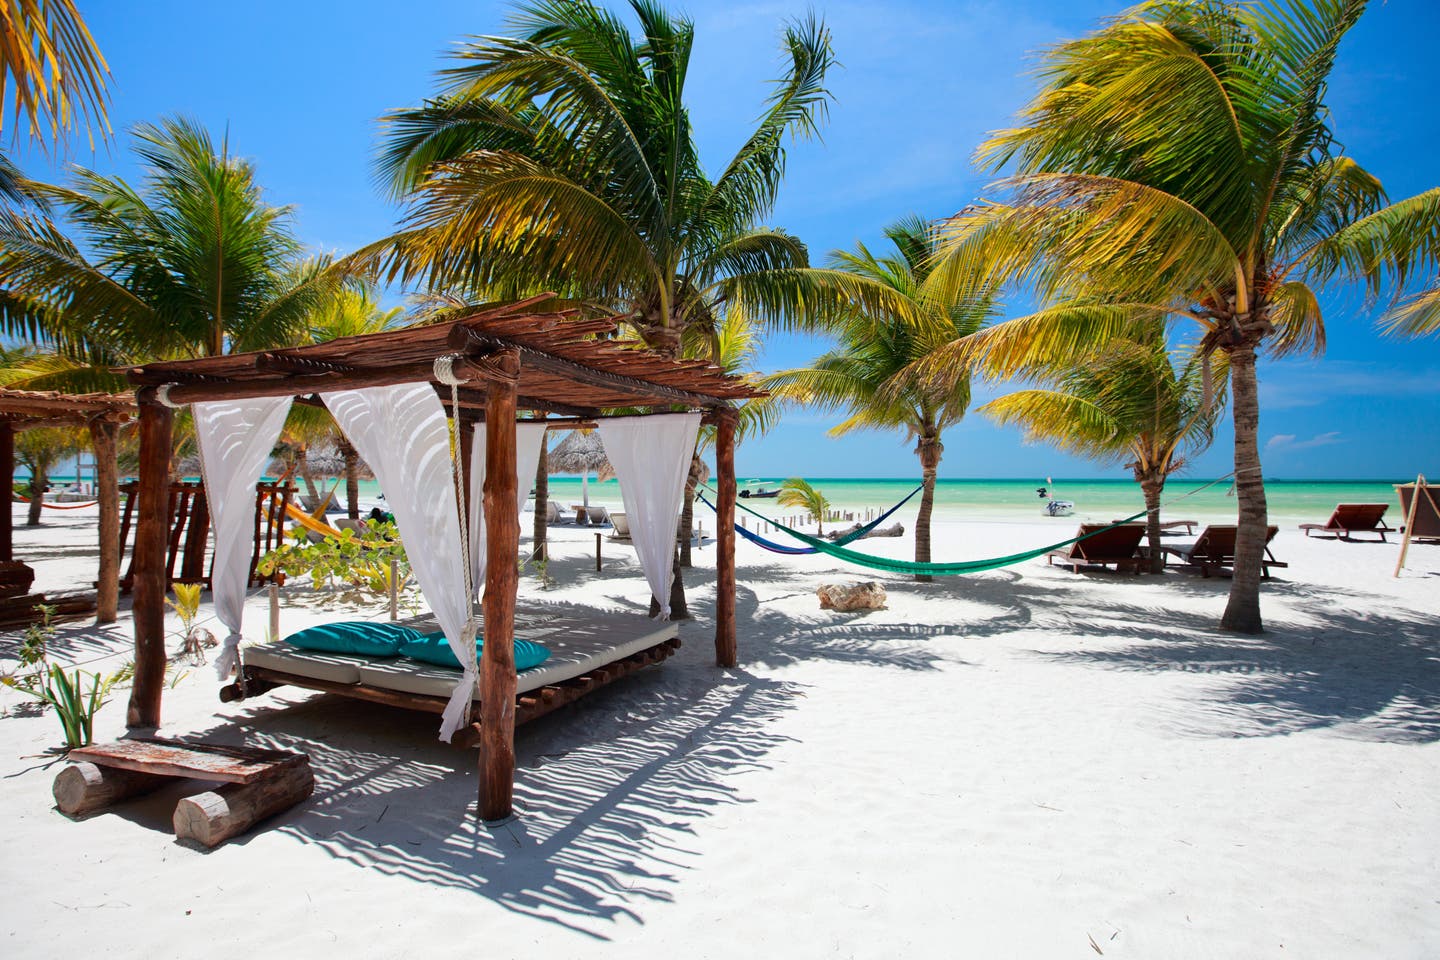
(1023, 763)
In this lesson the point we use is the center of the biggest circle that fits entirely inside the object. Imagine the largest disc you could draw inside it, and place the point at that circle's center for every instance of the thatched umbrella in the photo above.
(580, 453)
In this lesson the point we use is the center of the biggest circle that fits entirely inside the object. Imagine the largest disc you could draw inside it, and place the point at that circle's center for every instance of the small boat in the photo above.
(761, 494)
(1054, 507)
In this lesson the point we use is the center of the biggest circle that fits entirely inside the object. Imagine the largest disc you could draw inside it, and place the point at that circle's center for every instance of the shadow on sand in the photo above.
(606, 790)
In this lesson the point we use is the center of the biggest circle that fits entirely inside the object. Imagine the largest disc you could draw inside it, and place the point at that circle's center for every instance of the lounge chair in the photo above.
(621, 528)
(1115, 546)
(1426, 525)
(1351, 518)
(599, 516)
(554, 513)
(1171, 526)
(1214, 551)
(345, 523)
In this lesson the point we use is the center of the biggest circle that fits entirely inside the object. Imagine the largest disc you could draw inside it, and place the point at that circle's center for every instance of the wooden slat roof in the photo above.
(27, 408)
(566, 364)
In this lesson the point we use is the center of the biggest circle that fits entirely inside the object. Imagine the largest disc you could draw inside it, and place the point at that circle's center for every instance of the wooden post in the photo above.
(597, 552)
(7, 488)
(502, 549)
(107, 491)
(394, 589)
(725, 647)
(1410, 521)
(149, 562)
(274, 613)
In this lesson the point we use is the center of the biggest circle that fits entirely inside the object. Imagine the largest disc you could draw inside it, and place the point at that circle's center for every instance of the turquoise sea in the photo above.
(1015, 498)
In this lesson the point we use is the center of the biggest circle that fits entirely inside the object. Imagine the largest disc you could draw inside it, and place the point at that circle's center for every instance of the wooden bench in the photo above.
(257, 783)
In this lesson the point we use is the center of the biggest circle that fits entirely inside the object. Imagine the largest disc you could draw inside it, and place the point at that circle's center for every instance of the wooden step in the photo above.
(201, 761)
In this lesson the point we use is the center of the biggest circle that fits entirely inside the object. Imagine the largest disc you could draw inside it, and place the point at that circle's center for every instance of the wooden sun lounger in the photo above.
(1426, 525)
(1214, 551)
(1351, 518)
(1116, 547)
(1170, 526)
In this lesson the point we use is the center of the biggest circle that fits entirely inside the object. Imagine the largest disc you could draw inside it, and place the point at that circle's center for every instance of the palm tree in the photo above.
(1179, 163)
(795, 492)
(39, 449)
(564, 157)
(192, 263)
(54, 74)
(1127, 403)
(872, 373)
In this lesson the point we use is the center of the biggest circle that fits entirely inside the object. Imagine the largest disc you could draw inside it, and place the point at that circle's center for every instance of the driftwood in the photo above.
(894, 530)
(853, 596)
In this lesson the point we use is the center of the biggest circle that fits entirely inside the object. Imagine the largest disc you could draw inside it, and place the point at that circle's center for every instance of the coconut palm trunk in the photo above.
(39, 473)
(352, 479)
(542, 502)
(930, 450)
(1152, 486)
(1242, 612)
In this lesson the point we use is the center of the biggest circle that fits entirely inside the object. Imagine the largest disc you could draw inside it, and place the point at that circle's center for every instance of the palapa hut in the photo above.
(389, 392)
(581, 452)
(102, 414)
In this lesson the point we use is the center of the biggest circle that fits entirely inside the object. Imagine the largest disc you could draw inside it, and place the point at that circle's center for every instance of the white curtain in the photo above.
(236, 438)
(402, 433)
(651, 457)
(529, 436)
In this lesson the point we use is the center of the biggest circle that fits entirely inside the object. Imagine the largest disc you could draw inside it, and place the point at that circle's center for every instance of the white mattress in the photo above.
(576, 646)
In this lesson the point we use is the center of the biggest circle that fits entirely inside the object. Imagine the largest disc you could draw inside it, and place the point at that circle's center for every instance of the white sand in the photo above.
(1024, 763)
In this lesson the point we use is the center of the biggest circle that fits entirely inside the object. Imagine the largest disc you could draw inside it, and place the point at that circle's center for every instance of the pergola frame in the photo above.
(102, 414)
(512, 358)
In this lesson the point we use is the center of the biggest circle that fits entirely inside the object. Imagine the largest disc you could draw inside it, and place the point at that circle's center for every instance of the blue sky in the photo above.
(299, 85)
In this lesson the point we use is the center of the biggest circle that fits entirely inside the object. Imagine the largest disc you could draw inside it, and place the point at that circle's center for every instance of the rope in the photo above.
(445, 373)
(57, 506)
(162, 395)
(851, 537)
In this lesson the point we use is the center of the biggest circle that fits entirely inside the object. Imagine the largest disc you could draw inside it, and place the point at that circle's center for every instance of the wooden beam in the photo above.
(725, 645)
(497, 664)
(149, 562)
(469, 341)
(300, 384)
(107, 491)
(7, 490)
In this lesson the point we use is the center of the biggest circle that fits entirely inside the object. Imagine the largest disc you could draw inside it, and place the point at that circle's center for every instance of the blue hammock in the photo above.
(774, 547)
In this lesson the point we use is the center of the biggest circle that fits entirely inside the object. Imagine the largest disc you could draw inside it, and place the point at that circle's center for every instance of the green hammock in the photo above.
(934, 569)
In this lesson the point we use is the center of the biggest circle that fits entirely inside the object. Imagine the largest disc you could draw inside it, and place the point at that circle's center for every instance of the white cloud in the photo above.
(1287, 443)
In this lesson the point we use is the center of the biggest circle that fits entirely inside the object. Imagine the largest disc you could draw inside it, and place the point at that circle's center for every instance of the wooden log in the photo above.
(215, 816)
(497, 662)
(107, 491)
(149, 564)
(726, 654)
(83, 788)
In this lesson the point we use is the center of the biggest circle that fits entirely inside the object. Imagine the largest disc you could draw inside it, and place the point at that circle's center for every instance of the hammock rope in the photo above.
(850, 537)
(890, 565)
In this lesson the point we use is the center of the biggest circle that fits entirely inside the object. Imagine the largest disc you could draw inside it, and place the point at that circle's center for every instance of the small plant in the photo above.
(194, 639)
(66, 693)
(35, 646)
(361, 563)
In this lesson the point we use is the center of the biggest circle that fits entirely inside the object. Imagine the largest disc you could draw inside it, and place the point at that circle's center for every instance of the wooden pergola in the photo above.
(512, 357)
(102, 414)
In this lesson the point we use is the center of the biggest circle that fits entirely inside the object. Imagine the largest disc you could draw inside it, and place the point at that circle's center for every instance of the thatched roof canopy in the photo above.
(25, 409)
(560, 363)
(580, 452)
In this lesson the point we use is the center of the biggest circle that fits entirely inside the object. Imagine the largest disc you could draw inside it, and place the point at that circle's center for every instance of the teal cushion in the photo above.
(366, 638)
(433, 648)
